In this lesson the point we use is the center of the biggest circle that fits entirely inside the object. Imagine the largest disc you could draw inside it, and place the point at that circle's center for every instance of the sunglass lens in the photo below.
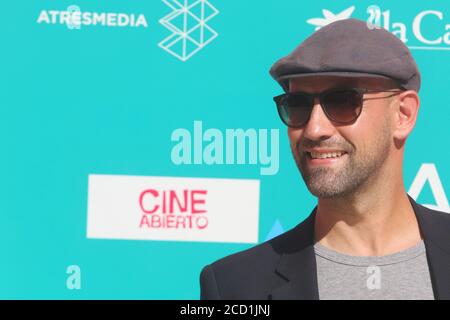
(344, 105)
(295, 109)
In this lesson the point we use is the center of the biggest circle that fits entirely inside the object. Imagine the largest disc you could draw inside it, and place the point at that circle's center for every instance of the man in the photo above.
(350, 103)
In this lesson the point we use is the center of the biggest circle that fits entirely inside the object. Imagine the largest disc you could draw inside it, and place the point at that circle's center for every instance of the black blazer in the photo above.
(285, 266)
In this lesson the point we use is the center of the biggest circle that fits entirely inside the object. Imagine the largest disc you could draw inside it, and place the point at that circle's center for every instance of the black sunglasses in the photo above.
(341, 105)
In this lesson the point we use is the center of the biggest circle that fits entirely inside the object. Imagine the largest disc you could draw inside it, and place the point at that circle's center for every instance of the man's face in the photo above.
(365, 142)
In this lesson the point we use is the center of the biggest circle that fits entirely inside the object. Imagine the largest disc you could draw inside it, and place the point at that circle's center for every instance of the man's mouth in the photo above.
(316, 158)
(325, 155)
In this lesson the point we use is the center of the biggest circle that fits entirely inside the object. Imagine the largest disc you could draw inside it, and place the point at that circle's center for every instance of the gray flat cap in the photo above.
(349, 48)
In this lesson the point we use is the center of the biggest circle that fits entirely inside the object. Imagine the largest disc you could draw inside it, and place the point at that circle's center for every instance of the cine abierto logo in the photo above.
(173, 209)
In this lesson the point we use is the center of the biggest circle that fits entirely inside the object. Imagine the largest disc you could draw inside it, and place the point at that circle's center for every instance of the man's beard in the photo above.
(345, 178)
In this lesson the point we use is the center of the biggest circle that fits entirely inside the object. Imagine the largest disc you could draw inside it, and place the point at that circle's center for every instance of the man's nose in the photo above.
(318, 127)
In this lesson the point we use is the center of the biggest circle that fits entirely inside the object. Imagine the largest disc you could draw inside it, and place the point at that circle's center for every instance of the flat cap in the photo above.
(350, 48)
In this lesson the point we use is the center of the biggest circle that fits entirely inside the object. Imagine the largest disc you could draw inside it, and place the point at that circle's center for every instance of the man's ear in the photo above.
(405, 114)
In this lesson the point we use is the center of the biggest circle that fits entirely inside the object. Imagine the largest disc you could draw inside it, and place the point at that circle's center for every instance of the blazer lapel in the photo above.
(436, 234)
(297, 265)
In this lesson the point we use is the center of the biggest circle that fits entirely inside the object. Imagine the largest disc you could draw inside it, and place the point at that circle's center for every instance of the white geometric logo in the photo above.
(428, 173)
(187, 21)
(330, 17)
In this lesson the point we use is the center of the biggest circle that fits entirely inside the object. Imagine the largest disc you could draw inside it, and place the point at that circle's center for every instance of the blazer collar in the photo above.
(436, 234)
(297, 264)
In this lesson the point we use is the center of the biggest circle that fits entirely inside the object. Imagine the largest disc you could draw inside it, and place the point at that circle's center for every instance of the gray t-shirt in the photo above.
(403, 275)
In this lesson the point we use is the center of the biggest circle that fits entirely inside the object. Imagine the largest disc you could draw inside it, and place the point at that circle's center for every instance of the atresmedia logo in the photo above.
(187, 22)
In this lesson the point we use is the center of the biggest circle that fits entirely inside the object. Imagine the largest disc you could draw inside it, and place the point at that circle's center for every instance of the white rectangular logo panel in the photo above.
(173, 208)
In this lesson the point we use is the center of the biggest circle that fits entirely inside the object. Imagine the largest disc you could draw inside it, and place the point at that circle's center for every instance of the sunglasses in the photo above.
(340, 105)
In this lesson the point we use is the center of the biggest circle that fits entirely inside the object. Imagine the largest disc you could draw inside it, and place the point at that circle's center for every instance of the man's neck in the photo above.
(374, 225)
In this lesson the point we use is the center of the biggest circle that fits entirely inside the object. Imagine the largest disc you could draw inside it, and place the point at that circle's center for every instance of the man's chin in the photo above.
(323, 186)
(324, 193)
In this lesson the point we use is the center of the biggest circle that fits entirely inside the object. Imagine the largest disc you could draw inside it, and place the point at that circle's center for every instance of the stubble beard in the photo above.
(354, 171)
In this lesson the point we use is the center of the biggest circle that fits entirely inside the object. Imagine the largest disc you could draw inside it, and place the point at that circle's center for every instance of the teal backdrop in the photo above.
(106, 99)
